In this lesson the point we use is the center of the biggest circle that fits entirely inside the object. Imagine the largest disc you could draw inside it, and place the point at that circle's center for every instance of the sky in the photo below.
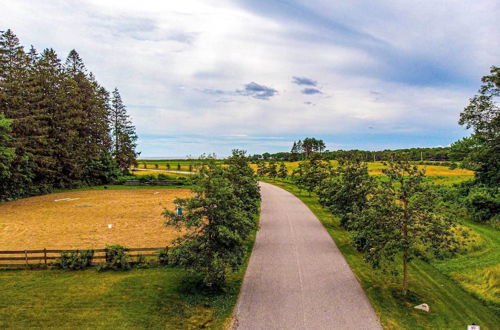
(211, 76)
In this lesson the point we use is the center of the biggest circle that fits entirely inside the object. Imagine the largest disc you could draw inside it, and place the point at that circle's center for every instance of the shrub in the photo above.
(76, 260)
(483, 204)
(163, 257)
(162, 176)
(116, 258)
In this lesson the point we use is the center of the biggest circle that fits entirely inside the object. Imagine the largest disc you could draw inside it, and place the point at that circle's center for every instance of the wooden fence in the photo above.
(46, 257)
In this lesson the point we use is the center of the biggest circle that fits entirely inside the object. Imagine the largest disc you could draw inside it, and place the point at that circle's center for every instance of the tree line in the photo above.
(401, 216)
(437, 154)
(59, 128)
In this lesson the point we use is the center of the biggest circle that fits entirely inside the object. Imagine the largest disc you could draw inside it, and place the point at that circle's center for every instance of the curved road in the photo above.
(297, 278)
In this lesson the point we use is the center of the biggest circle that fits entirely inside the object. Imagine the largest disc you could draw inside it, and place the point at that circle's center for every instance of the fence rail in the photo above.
(46, 255)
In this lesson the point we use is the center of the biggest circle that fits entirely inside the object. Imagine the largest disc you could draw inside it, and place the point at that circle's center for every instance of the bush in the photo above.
(483, 204)
(75, 260)
(116, 258)
(163, 257)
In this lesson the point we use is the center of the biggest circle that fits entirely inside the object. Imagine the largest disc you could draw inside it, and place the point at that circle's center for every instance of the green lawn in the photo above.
(142, 298)
(451, 306)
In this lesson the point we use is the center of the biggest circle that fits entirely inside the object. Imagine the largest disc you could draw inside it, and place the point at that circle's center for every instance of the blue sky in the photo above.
(209, 76)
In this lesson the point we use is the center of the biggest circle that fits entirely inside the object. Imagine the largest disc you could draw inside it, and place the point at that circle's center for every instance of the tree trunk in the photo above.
(405, 273)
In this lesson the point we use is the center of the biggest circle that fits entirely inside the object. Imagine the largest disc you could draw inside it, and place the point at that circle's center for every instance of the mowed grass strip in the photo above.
(79, 219)
(451, 306)
(157, 298)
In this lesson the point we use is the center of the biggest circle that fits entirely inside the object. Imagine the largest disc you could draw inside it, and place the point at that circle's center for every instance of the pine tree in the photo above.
(13, 105)
(124, 136)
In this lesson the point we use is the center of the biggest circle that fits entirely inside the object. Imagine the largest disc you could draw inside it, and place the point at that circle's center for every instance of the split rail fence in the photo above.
(46, 257)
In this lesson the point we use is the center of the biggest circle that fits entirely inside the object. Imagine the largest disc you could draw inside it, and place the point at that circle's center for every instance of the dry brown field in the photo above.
(80, 219)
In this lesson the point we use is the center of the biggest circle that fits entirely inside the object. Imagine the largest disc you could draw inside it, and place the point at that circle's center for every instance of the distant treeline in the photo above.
(59, 128)
(413, 154)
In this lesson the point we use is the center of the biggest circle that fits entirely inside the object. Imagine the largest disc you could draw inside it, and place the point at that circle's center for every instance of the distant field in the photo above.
(175, 164)
(82, 222)
(437, 174)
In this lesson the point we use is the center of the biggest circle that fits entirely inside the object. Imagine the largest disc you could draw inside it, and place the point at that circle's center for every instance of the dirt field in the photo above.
(81, 222)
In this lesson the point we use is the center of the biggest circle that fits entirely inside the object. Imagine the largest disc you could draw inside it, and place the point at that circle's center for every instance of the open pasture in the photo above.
(80, 219)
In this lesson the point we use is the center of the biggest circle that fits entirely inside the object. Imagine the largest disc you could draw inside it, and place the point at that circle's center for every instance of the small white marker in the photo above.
(110, 226)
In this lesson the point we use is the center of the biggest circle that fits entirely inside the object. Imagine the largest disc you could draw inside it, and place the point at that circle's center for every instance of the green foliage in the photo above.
(483, 204)
(438, 286)
(345, 192)
(483, 115)
(124, 136)
(163, 257)
(272, 169)
(402, 220)
(59, 135)
(117, 258)
(311, 173)
(218, 220)
(6, 154)
(245, 186)
(76, 260)
(282, 171)
(261, 168)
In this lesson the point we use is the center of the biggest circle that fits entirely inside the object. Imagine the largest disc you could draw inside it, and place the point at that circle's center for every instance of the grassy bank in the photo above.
(143, 298)
(451, 306)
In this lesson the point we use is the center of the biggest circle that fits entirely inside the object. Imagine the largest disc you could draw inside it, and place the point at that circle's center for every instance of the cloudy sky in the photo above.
(209, 76)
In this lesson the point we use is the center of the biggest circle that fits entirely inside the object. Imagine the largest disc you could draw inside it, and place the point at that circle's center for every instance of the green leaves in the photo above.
(403, 218)
(483, 115)
(218, 220)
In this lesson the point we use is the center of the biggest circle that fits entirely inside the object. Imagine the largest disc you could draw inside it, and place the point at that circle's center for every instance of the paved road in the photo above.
(297, 278)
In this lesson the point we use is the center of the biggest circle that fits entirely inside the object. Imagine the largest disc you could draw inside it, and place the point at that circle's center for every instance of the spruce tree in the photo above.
(123, 132)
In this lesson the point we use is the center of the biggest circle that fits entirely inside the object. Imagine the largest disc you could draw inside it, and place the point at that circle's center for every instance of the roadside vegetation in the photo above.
(410, 241)
(453, 302)
(139, 298)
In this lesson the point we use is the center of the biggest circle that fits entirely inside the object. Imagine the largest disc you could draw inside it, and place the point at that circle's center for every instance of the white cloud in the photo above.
(163, 55)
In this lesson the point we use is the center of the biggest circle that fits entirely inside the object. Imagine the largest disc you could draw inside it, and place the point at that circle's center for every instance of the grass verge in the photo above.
(451, 306)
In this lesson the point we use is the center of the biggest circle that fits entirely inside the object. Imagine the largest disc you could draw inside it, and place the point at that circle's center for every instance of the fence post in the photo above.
(26, 256)
(166, 255)
(45, 256)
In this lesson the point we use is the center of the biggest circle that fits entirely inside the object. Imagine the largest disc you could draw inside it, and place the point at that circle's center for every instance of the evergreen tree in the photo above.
(124, 136)
(6, 154)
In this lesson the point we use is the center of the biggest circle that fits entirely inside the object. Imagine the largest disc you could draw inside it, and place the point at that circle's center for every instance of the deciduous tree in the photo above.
(402, 220)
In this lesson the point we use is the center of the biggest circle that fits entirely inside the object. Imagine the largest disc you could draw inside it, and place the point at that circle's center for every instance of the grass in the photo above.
(157, 298)
(479, 270)
(451, 305)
